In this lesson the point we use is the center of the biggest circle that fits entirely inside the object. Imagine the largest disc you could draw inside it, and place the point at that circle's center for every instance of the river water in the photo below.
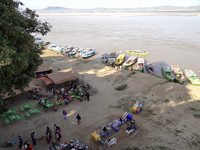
(168, 39)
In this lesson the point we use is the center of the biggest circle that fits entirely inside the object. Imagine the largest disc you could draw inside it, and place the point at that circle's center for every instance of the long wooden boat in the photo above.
(112, 58)
(68, 49)
(167, 71)
(137, 52)
(80, 51)
(55, 48)
(130, 61)
(88, 54)
(140, 64)
(191, 76)
(120, 59)
(73, 52)
(104, 58)
(149, 68)
(179, 76)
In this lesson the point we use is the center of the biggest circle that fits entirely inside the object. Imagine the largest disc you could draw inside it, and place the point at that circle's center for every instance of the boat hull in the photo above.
(130, 62)
(150, 69)
(137, 53)
(169, 76)
(88, 56)
(192, 77)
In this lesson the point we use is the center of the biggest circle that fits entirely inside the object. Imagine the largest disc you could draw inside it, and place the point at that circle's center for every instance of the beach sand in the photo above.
(167, 120)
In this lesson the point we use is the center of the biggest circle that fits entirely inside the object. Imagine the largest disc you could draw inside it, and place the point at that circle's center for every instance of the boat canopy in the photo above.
(132, 58)
(112, 55)
(166, 68)
(190, 73)
(105, 55)
(121, 56)
(176, 69)
(140, 60)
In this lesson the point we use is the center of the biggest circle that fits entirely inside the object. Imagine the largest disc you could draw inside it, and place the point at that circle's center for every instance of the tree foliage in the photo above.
(19, 55)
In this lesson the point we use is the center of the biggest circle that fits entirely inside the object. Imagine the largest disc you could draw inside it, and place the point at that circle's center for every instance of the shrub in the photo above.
(121, 87)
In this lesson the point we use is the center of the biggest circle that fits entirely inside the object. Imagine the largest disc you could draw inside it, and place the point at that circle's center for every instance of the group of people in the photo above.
(26, 145)
(62, 95)
(132, 125)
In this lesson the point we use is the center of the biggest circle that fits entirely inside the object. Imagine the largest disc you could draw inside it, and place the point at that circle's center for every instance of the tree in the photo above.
(19, 55)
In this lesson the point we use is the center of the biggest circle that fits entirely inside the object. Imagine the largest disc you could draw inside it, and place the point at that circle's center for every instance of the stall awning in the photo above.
(63, 76)
(46, 80)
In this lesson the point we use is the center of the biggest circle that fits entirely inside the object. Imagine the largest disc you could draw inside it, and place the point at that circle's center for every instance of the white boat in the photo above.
(88, 53)
(130, 61)
(73, 52)
(54, 48)
(140, 64)
(191, 76)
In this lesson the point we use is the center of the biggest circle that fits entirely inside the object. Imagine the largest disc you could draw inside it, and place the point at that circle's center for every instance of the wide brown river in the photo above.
(168, 39)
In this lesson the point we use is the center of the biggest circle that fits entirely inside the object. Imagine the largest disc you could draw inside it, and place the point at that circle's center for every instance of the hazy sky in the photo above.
(38, 4)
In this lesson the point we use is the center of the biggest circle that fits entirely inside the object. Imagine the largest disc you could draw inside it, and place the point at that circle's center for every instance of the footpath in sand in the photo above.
(167, 121)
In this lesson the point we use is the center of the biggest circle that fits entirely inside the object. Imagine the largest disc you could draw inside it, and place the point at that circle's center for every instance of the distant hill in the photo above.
(55, 9)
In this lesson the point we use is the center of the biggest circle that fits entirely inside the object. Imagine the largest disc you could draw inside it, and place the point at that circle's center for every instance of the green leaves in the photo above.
(19, 56)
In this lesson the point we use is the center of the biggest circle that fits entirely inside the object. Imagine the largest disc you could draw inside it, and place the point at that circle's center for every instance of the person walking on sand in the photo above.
(20, 141)
(88, 96)
(58, 136)
(33, 137)
(78, 117)
(65, 114)
(53, 92)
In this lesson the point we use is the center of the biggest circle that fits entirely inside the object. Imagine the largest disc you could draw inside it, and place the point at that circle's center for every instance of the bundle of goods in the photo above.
(137, 107)
(74, 144)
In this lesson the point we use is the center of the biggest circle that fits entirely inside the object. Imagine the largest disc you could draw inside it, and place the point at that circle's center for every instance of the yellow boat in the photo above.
(120, 59)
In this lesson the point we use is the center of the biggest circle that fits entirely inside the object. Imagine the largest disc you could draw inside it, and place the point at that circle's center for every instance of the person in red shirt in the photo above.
(30, 147)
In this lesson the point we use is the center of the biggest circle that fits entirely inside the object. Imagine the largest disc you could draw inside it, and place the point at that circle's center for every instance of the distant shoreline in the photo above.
(125, 14)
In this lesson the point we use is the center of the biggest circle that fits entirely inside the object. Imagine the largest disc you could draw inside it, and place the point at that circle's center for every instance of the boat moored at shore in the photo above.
(149, 68)
(104, 58)
(112, 58)
(137, 52)
(120, 59)
(167, 71)
(140, 64)
(191, 76)
(88, 53)
(132, 60)
(179, 76)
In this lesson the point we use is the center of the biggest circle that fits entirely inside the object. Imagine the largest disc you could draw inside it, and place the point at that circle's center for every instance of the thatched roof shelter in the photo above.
(63, 76)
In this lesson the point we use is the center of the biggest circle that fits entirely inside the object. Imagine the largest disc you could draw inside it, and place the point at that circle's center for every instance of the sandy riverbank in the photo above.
(166, 121)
